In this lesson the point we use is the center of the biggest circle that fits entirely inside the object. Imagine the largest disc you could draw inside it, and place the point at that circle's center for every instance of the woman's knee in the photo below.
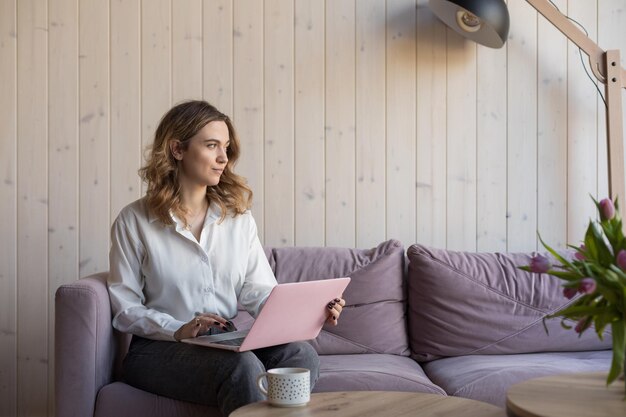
(246, 366)
(306, 356)
(305, 350)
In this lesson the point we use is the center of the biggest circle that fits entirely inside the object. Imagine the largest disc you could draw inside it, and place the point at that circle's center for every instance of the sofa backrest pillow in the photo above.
(374, 319)
(463, 303)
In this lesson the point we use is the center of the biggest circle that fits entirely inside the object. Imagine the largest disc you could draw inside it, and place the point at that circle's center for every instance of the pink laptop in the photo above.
(292, 312)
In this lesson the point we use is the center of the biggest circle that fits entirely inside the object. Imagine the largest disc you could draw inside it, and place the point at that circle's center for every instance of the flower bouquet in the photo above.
(598, 273)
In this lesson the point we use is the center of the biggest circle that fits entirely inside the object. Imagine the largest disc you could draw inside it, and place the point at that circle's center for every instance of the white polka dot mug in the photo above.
(286, 387)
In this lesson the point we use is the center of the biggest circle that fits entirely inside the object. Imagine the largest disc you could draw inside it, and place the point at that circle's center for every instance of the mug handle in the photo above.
(259, 382)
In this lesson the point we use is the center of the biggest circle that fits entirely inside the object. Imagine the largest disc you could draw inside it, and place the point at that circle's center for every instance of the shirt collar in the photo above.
(213, 214)
(152, 217)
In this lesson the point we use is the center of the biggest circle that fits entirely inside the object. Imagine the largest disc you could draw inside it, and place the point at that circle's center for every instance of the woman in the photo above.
(183, 256)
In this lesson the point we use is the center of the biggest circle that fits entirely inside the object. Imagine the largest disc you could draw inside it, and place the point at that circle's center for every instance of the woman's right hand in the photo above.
(200, 325)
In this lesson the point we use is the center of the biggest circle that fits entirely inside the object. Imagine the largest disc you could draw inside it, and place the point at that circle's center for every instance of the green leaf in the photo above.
(579, 311)
(545, 326)
(595, 243)
(615, 274)
(566, 275)
(590, 242)
(618, 330)
(601, 321)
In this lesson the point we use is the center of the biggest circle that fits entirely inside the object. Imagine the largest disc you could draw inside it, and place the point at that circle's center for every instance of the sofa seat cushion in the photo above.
(121, 400)
(373, 372)
(359, 372)
(463, 303)
(488, 377)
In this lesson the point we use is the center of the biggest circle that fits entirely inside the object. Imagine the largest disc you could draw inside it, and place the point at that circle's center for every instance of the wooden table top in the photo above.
(571, 395)
(376, 403)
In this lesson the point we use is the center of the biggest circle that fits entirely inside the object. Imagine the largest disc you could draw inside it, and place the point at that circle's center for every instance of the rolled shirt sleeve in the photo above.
(125, 284)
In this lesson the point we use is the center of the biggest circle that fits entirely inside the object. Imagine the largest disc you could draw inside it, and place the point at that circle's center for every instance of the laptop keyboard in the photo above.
(230, 342)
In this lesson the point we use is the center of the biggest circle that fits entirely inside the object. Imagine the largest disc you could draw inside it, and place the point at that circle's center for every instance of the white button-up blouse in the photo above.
(161, 276)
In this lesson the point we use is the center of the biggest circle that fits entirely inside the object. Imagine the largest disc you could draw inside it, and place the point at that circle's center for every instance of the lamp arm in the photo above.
(577, 36)
(606, 67)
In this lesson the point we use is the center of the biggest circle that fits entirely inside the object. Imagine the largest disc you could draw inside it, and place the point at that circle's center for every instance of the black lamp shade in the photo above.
(483, 21)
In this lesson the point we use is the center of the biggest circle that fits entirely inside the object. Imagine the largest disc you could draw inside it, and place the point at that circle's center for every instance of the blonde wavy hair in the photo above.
(160, 173)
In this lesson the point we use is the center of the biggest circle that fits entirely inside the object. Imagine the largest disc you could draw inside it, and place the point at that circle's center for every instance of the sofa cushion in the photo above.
(374, 319)
(373, 372)
(121, 400)
(464, 303)
(487, 377)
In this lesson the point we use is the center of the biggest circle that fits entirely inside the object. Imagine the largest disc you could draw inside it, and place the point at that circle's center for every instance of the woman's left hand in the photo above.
(334, 310)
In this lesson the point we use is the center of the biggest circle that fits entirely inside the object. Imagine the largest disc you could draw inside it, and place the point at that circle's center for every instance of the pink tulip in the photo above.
(580, 253)
(587, 286)
(539, 264)
(607, 209)
(582, 325)
(621, 259)
(569, 293)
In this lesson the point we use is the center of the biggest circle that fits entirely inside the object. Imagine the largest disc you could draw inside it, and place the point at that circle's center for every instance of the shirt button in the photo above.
(205, 258)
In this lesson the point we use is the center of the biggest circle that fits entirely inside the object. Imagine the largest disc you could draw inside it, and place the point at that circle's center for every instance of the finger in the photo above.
(198, 326)
(214, 317)
(195, 328)
(334, 308)
(333, 315)
(207, 323)
(212, 322)
(210, 319)
(340, 301)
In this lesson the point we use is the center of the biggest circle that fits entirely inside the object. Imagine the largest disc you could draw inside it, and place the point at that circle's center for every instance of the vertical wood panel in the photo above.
(248, 106)
(370, 123)
(94, 132)
(491, 149)
(156, 74)
(582, 129)
(32, 208)
(401, 123)
(62, 158)
(552, 133)
(217, 56)
(522, 128)
(309, 123)
(461, 138)
(8, 212)
(431, 146)
(340, 123)
(279, 122)
(186, 50)
(125, 104)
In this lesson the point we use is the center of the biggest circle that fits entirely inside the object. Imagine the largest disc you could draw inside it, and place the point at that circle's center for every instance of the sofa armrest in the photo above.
(84, 345)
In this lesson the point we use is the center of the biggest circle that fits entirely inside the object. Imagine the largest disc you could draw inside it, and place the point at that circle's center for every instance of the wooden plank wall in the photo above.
(360, 121)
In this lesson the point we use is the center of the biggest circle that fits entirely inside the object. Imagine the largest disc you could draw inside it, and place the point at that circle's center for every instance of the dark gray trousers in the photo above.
(210, 376)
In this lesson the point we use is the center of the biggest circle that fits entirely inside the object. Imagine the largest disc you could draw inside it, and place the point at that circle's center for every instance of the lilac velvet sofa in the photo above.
(433, 321)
